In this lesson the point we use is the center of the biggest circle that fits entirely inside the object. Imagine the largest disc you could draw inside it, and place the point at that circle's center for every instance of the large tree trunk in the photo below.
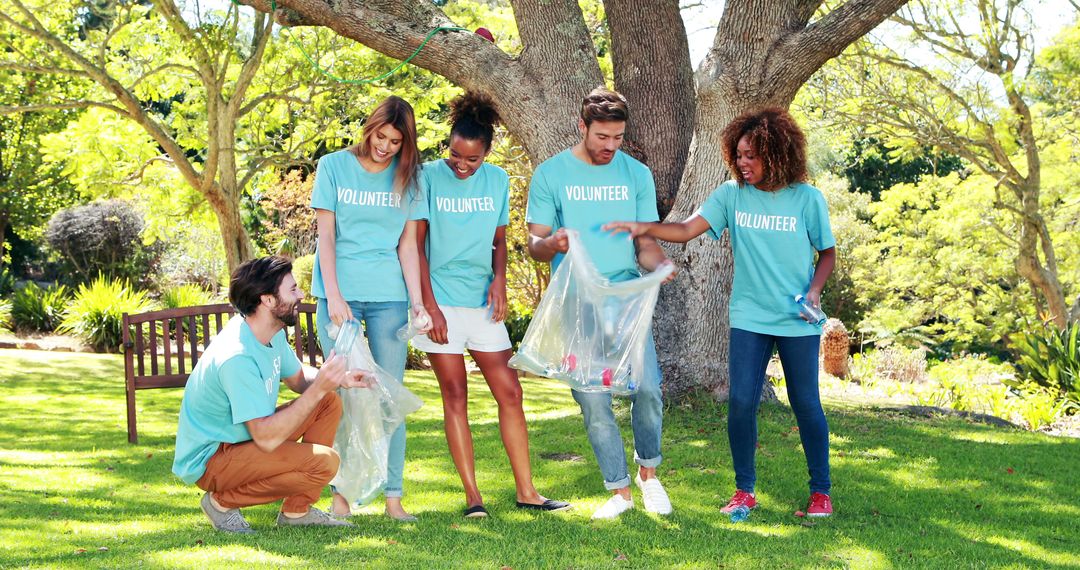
(653, 71)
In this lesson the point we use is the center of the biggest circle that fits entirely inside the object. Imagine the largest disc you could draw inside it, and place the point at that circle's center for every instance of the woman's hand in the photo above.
(421, 319)
(635, 229)
(437, 334)
(496, 299)
(339, 309)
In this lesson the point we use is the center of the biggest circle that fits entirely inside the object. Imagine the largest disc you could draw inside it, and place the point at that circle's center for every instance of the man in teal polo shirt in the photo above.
(582, 188)
(233, 441)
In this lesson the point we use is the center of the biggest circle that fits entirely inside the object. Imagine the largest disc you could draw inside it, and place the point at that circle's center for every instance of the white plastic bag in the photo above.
(368, 420)
(589, 332)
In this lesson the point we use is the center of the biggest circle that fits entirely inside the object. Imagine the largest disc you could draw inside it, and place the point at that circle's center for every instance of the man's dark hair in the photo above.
(603, 104)
(256, 278)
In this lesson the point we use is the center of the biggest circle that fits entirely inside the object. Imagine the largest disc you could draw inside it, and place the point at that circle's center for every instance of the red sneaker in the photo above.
(820, 505)
(739, 499)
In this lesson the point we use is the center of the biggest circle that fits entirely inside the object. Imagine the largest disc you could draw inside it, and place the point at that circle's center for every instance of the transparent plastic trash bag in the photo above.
(368, 420)
(589, 332)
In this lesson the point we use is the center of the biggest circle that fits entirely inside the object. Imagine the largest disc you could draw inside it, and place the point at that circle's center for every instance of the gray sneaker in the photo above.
(314, 517)
(228, 521)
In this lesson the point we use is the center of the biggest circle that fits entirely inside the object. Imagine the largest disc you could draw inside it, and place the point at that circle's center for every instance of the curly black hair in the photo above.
(776, 138)
(473, 117)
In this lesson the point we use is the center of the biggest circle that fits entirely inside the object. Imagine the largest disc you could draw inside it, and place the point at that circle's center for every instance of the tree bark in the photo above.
(651, 60)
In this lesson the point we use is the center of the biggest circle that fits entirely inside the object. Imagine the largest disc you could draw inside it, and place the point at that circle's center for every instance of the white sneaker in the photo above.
(614, 507)
(654, 496)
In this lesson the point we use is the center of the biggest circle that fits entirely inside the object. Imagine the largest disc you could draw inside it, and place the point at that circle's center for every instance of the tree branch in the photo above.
(805, 52)
(30, 68)
(18, 109)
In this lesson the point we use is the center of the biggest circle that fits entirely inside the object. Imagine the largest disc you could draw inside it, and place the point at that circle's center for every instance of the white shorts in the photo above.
(467, 327)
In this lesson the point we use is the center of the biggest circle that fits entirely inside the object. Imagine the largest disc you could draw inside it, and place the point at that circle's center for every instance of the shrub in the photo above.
(38, 310)
(5, 316)
(302, 269)
(893, 363)
(194, 254)
(7, 282)
(516, 325)
(288, 222)
(186, 296)
(1050, 358)
(96, 314)
(103, 237)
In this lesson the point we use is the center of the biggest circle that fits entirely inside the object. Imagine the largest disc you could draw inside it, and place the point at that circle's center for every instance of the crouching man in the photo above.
(233, 441)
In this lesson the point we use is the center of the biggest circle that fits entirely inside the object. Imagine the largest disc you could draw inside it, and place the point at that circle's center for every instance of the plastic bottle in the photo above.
(740, 513)
(813, 314)
(346, 337)
(412, 329)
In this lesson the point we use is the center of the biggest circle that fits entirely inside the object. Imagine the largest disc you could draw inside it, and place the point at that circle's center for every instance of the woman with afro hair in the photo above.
(463, 282)
(777, 224)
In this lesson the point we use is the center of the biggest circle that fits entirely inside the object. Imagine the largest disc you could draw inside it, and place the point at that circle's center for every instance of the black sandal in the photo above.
(550, 505)
(476, 512)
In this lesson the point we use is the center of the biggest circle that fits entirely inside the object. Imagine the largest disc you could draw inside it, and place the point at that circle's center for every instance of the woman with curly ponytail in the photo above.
(463, 282)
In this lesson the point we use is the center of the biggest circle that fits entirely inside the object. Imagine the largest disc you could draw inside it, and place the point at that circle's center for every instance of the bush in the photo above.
(516, 325)
(96, 314)
(893, 363)
(7, 282)
(186, 296)
(35, 309)
(194, 254)
(103, 238)
(302, 268)
(5, 316)
(1050, 358)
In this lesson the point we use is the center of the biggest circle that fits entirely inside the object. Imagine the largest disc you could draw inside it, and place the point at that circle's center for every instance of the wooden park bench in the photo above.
(162, 347)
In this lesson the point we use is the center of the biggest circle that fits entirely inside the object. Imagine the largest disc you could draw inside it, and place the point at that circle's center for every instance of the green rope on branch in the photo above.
(314, 64)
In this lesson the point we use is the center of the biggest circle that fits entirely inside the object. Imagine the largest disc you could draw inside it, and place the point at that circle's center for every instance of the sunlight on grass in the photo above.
(1035, 551)
(200, 557)
(860, 557)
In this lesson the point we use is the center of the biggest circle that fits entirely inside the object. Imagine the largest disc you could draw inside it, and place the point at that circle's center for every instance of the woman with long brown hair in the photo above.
(366, 263)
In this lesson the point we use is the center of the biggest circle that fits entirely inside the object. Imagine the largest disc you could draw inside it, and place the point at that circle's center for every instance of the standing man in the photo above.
(233, 441)
(583, 188)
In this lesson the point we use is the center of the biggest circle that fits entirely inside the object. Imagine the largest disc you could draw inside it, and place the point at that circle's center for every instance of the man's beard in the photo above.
(286, 313)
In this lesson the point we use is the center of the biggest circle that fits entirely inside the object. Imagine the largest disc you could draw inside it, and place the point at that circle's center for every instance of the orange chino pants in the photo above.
(241, 474)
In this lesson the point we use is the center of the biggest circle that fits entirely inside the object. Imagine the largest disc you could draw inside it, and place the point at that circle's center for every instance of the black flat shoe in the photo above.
(476, 512)
(550, 505)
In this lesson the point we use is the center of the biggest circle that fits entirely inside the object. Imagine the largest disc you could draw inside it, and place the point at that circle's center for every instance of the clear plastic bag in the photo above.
(588, 332)
(369, 418)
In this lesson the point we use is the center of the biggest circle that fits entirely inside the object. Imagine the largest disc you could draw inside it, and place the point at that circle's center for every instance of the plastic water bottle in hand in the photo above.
(812, 314)
(346, 337)
(413, 328)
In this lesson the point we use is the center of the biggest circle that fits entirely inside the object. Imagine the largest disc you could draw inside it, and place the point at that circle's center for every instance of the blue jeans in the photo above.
(646, 419)
(381, 321)
(750, 354)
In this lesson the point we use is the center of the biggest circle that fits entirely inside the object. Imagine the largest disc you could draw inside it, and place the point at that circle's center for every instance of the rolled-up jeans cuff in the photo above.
(620, 484)
(395, 494)
(649, 463)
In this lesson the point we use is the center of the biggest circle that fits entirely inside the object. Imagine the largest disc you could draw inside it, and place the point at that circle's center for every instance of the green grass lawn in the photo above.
(908, 493)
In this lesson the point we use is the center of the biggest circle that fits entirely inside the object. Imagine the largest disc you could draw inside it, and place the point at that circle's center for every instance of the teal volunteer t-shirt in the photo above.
(566, 192)
(774, 236)
(235, 381)
(369, 218)
(462, 218)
